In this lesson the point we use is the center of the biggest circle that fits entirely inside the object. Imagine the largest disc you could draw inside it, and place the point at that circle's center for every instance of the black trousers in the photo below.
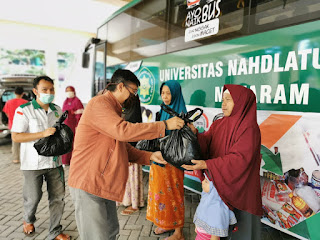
(248, 227)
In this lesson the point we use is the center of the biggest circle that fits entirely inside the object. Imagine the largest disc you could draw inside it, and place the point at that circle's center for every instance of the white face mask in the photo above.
(70, 94)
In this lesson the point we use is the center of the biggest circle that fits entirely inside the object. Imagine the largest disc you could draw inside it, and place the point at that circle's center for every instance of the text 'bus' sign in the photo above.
(202, 19)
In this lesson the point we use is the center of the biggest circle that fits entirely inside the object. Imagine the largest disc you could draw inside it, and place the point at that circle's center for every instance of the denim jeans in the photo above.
(32, 193)
(96, 217)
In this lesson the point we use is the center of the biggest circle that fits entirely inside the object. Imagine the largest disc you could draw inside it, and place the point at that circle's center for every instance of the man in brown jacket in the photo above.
(99, 166)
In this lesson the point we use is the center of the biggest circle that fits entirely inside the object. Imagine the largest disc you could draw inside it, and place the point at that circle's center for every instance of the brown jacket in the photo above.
(101, 154)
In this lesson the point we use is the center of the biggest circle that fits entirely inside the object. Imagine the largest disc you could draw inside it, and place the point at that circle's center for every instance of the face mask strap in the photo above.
(109, 84)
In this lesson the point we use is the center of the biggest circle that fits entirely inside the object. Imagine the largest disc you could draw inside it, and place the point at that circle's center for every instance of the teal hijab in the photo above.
(177, 101)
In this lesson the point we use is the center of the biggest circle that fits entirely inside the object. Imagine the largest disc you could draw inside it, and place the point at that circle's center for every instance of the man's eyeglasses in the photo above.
(135, 91)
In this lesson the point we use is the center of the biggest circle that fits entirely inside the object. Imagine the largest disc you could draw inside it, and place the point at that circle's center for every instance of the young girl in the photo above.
(212, 217)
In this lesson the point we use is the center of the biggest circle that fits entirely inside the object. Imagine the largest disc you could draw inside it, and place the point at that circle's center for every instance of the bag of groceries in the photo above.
(181, 146)
(149, 145)
(59, 143)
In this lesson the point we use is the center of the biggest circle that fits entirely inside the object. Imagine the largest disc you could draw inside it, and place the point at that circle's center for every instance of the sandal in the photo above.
(129, 211)
(63, 236)
(15, 161)
(28, 229)
(159, 231)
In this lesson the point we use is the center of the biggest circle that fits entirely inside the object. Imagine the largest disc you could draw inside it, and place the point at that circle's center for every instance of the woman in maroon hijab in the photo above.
(75, 109)
(232, 149)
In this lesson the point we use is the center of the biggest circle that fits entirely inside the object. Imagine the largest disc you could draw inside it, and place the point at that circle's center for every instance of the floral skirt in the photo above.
(166, 197)
(134, 189)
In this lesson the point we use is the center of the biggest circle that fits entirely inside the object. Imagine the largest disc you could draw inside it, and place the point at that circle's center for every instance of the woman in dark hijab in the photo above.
(232, 149)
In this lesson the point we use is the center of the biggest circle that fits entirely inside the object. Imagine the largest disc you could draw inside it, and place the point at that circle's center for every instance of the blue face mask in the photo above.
(46, 98)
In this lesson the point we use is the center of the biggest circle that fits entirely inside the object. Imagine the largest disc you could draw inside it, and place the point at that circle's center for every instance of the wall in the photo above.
(52, 40)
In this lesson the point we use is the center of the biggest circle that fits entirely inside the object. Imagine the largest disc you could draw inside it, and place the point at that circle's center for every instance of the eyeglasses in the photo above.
(135, 91)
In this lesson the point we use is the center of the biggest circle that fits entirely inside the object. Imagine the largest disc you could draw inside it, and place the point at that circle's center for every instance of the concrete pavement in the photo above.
(131, 227)
(11, 210)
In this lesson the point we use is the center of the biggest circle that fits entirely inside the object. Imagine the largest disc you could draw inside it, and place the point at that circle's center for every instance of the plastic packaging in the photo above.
(310, 197)
(268, 192)
(283, 216)
(282, 197)
(149, 145)
(297, 178)
(281, 187)
(289, 209)
(301, 205)
(269, 214)
(57, 144)
(181, 146)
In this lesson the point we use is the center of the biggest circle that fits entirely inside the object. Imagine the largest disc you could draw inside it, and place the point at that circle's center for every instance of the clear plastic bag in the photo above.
(297, 178)
(59, 143)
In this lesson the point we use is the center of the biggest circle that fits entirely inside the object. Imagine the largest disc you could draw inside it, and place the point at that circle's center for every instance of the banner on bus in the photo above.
(202, 19)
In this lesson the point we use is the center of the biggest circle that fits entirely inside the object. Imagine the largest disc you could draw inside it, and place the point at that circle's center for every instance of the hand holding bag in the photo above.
(181, 146)
(59, 143)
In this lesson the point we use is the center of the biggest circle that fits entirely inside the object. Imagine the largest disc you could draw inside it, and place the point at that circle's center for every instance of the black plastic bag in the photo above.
(149, 145)
(59, 143)
(181, 146)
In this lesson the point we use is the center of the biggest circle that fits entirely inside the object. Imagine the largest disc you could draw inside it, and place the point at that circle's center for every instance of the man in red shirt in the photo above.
(9, 108)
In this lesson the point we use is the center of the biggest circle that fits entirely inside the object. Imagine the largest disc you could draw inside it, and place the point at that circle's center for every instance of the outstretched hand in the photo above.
(199, 164)
(157, 157)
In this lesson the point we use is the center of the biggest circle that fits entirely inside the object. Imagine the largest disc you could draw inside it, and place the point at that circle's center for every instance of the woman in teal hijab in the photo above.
(166, 194)
(177, 102)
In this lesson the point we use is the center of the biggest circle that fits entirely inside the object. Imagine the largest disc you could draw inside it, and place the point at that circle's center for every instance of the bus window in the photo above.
(118, 37)
(231, 19)
(270, 14)
(149, 33)
(99, 81)
(178, 13)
